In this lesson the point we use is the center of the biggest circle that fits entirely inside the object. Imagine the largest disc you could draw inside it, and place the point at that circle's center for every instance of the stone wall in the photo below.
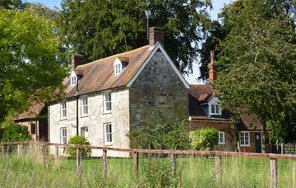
(94, 121)
(157, 88)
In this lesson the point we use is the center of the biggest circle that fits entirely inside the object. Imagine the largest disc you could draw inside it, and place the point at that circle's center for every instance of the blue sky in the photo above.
(217, 6)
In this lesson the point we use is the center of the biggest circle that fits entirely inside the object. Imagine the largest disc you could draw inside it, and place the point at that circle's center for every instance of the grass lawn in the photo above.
(39, 171)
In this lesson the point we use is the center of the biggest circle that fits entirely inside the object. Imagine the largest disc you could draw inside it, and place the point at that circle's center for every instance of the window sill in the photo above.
(108, 144)
(108, 112)
(83, 116)
(63, 119)
(245, 145)
(222, 143)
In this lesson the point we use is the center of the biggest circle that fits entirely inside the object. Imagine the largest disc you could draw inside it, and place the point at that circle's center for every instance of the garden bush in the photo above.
(204, 139)
(78, 140)
(15, 132)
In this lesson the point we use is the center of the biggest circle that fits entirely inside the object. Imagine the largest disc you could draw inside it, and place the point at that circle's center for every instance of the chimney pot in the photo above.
(156, 34)
(77, 59)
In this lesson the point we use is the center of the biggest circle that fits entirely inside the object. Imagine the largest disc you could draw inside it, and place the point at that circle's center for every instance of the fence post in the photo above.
(136, 163)
(57, 152)
(273, 173)
(18, 150)
(173, 159)
(282, 148)
(218, 167)
(104, 163)
(294, 174)
(78, 159)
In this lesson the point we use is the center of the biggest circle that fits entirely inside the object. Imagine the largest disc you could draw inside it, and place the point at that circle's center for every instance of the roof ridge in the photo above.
(115, 55)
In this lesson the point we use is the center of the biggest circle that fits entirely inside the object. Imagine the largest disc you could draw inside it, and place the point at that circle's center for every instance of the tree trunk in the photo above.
(263, 143)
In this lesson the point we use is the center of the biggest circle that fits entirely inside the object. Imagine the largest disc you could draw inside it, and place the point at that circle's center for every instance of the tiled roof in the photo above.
(202, 93)
(99, 75)
(250, 123)
(199, 95)
(33, 112)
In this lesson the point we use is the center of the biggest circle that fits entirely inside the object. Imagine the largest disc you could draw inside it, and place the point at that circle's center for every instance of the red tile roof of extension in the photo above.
(199, 95)
(99, 75)
(33, 112)
(203, 93)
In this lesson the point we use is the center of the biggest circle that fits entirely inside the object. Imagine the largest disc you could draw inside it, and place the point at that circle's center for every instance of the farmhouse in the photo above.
(107, 98)
(205, 112)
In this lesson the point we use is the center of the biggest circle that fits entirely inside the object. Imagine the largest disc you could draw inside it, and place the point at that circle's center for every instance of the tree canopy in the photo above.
(31, 60)
(98, 29)
(257, 63)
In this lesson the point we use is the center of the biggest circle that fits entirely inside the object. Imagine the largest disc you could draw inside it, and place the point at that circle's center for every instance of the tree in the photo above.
(11, 4)
(98, 29)
(257, 65)
(161, 133)
(31, 61)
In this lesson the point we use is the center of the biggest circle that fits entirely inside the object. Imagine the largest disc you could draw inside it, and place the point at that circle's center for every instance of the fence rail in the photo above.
(171, 153)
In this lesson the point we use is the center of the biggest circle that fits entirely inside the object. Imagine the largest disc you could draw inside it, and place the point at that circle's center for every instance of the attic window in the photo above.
(73, 80)
(119, 65)
(214, 107)
(117, 69)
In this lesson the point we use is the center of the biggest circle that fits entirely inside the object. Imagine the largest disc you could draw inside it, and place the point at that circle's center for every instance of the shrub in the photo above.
(161, 133)
(15, 132)
(204, 139)
(78, 140)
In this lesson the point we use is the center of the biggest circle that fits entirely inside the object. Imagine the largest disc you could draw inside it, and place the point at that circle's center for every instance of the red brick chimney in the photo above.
(76, 60)
(212, 68)
(156, 34)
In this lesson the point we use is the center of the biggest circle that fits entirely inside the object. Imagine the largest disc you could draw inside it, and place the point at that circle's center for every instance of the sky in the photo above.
(191, 79)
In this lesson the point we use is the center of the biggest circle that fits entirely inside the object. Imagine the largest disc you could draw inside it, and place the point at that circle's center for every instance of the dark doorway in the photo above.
(258, 142)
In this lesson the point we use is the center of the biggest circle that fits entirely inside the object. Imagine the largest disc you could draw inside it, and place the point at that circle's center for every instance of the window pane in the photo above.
(217, 109)
(63, 110)
(107, 102)
(212, 108)
(63, 135)
(108, 133)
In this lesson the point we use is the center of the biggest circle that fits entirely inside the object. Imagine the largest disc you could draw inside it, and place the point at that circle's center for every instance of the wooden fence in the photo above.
(171, 153)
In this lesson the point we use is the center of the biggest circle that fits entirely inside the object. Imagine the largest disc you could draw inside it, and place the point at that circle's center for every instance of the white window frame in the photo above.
(84, 106)
(107, 102)
(108, 137)
(73, 80)
(63, 135)
(117, 66)
(85, 132)
(221, 135)
(242, 138)
(216, 109)
(214, 103)
(117, 69)
(63, 105)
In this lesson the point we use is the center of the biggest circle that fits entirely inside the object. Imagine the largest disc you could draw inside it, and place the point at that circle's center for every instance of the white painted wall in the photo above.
(119, 117)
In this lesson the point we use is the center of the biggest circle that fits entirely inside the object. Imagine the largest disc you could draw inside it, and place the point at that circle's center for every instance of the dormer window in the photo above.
(119, 64)
(117, 69)
(73, 80)
(214, 107)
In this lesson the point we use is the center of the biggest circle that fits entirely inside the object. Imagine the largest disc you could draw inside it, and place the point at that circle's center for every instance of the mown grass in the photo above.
(33, 169)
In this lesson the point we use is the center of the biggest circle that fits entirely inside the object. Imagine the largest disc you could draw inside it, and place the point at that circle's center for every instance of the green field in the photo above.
(36, 170)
